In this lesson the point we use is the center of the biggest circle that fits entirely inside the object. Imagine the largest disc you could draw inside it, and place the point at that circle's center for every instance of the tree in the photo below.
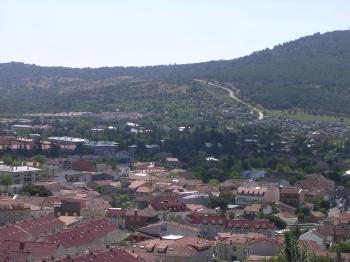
(41, 159)
(54, 151)
(222, 201)
(343, 246)
(122, 201)
(279, 223)
(36, 191)
(324, 205)
(5, 180)
(293, 251)
(213, 182)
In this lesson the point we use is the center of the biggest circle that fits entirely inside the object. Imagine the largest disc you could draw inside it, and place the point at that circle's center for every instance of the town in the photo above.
(84, 199)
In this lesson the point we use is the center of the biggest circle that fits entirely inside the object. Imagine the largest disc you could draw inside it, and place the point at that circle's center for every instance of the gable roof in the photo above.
(82, 234)
(11, 232)
(36, 249)
(38, 225)
(111, 255)
(312, 231)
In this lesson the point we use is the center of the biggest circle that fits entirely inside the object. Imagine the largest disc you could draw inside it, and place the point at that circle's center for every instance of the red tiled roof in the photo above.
(171, 203)
(82, 234)
(312, 245)
(200, 218)
(250, 224)
(183, 247)
(12, 232)
(115, 212)
(41, 225)
(317, 182)
(112, 255)
(36, 249)
(83, 165)
(290, 190)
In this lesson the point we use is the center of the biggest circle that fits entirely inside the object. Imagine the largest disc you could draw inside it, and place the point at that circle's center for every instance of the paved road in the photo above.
(233, 96)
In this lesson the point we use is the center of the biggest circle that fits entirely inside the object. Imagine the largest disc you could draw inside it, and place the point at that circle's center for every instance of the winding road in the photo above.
(233, 96)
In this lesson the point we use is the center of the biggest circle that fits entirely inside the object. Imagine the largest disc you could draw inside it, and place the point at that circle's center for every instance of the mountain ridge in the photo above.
(311, 73)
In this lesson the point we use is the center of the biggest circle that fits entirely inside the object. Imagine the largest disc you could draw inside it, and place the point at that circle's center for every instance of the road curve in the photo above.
(233, 96)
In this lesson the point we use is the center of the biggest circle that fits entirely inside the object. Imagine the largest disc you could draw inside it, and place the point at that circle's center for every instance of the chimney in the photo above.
(135, 211)
(68, 255)
(21, 245)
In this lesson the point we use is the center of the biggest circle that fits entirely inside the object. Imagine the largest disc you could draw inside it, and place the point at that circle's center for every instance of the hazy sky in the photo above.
(94, 33)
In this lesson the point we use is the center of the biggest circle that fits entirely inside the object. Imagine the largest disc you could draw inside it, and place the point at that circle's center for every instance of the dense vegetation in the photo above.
(311, 73)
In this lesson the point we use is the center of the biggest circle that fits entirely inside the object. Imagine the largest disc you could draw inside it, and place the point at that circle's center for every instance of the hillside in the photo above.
(311, 73)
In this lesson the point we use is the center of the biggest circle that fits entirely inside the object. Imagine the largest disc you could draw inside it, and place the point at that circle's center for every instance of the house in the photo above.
(231, 246)
(12, 232)
(139, 218)
(12, 211)
(313, 235)
(116, 216)
(209, 224)
(169, 228)
(245, 226)
(109, 255)
(175, 248)
(68, 207)
(263, 246)
(78, 239)
(257, 194)
(168, 205)
(292, 196)
(312, 245)
(41, 226)
(34, 251)
(317, 187)
(131, 219)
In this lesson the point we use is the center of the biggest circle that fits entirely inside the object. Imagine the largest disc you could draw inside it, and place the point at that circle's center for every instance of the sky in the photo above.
(95, 33)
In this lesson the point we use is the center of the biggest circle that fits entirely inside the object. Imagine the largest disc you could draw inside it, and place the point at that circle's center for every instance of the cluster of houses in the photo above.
(165, 215)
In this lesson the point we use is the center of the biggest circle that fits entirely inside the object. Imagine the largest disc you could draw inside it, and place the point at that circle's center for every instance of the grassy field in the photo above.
(303, 116)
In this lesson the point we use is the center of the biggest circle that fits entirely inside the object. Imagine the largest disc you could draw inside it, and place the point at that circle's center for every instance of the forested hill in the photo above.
(312, 73)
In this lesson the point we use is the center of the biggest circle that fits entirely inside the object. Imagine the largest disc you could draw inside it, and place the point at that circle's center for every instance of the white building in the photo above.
(20, 176)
